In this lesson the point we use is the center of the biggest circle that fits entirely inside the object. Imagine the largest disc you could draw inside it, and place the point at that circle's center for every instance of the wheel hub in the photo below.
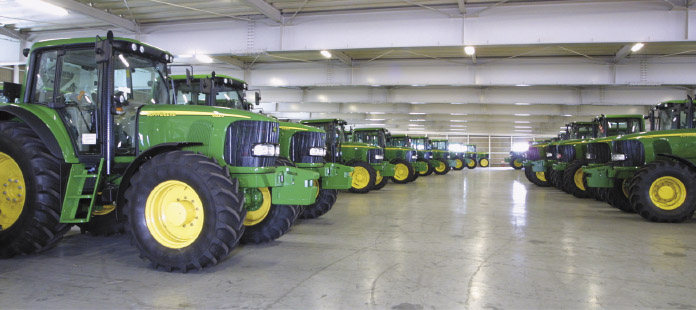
(401, 172)
(668, 193)
(258, 205)
(12, 191)
(174, 214)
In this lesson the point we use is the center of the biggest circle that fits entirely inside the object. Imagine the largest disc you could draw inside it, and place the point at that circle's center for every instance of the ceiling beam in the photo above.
(343, 57)
(7, 31)
(461, 6)
(96, 14)
(623, 52)
(231, 61)
(266, 9)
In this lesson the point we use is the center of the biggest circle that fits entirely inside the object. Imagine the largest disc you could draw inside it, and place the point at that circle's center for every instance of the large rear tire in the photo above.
(324, 203)
(30, 200)
(276, 219)
(363, 177)
(594, 192)
(516, 163)
(664, 191)
(403, 171)
(183, 211)
(573, 179)
(537, 178)
(443, 168)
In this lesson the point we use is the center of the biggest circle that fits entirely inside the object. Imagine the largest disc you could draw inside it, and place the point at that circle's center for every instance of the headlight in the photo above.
(590, 156)
(378, 156)
(549, 154)
(318, 151)
(414, 156)
(265, 150)
(618, 157)
(278, 150)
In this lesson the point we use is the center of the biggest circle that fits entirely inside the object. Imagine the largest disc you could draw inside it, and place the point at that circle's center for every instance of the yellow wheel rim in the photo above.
(378, 177)
(401, 172)
(541, 176)
(458, 163)
(625, 190)
(360, 177)
(13, 191)
(441, 167)
(260, 201)
(470, 163)
(668, 193)
(174, 214)
(517, 163)
(578, 179)
(484, 162)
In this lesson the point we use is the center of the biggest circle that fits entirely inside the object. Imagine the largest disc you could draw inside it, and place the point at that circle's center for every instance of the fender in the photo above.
(39, 127)
(142, 158)
(677, 158)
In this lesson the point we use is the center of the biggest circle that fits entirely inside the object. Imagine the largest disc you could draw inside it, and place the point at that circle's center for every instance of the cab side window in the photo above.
(44, 80)
(78, 91)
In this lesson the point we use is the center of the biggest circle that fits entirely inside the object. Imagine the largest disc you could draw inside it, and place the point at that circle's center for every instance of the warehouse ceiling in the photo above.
(401, 64)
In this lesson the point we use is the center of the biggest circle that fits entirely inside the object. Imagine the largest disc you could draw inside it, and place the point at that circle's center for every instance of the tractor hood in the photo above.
(170, 110)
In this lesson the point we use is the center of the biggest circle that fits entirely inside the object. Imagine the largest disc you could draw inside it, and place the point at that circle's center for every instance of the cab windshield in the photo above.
(335, 133)
(401, 142)
(672, 118)
(420, 144)
(620, 126)
(471, 148)
(440, 145)
(225, 95)
(376, 138)
(581, 131)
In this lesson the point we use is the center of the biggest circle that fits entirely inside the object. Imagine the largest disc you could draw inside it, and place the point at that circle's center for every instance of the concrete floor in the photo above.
(477, 239)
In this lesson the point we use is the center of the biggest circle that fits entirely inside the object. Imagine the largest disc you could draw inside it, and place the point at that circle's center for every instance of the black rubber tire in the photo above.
(464, 164)
(371, 172)
(569, 182)
(554, 177)
(381, 184)
(447, 168)
(513, 165)
(277, 223)
(470, 160)
(222, 201)
(617, 198)
(38, 228)
(532, 177)
(324, 203)
(479, 162)
(414, 176)
(410, 168)
(641, 182)
(429, 171)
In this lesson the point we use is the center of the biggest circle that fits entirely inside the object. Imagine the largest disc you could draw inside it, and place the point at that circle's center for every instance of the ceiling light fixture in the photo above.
(458, 120)
(203, 58)
(415, 125)
(522, 103)
(374, 119)
(469, 50)
(637, 47)
(568, 115)
(521, 114)
(522, 122)
(416, 113)
(326, 54)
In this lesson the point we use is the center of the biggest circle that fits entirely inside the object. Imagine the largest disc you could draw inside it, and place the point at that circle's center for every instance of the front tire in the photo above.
(572, 178)
(275, 220)
(380, 181)
(618, 196)
(183, 211)
(663, 191)
(363, 177)
(403, 171)
(30, 200)
(516, 163)
(471, 163)
(428, 171)
(459, 164)
(484, 162)
(324, 203)
(443, 168)
(537, 178)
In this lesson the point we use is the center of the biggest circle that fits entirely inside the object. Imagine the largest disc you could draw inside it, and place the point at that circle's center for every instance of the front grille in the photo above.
(533, 153)
(566, 153)
(408, 156)
(632, 149)
(240, 138)
(300, 145)
(371, 156)
(598, 153)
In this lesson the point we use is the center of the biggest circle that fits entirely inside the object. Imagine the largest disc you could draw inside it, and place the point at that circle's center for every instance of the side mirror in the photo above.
(189, 78)
(11, 91)
(257, 97)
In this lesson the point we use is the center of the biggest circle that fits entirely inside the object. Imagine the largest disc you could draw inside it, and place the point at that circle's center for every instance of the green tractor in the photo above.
(370, 171)
(94, 135)
(436, 159)
(442, 151)
(561, 154)
(537, 152)
(655, 170)
(458, 157)
(401, 157)
(475, 158)
(301, 146)
(404, 141)
(572, 154)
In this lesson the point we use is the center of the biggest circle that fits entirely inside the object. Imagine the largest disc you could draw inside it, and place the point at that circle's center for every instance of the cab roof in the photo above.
(323, 120)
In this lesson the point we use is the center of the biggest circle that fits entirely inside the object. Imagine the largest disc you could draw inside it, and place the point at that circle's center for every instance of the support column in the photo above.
(15, 74)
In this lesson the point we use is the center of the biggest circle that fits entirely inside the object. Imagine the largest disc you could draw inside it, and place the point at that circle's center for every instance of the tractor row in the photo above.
(615, 159)
(100, 136)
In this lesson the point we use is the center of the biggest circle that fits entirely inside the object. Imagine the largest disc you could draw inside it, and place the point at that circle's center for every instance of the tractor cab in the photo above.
(211, 90)
(617, 125)
(675, 114)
